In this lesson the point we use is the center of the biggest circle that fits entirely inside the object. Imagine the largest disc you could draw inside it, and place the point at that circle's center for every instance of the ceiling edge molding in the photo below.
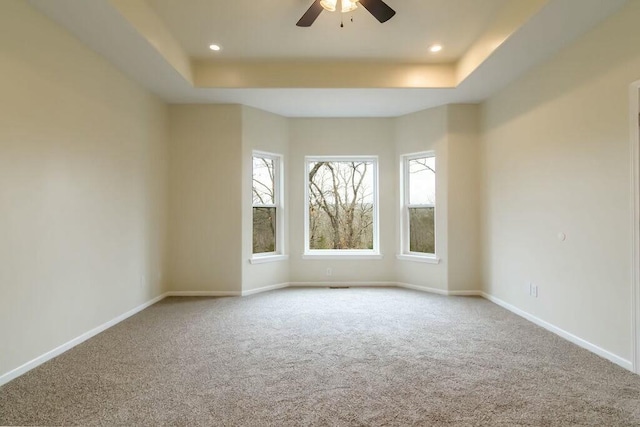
(150, 26)
(509, 20)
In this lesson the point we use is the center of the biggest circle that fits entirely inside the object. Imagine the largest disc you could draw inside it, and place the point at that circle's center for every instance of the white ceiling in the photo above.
(250, 29)
(101, 27)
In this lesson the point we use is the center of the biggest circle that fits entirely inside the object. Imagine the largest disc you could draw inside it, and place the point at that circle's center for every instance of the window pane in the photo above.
(263, 181)
(422, 237)
(422, 181)
(341, 205)
(264, 230)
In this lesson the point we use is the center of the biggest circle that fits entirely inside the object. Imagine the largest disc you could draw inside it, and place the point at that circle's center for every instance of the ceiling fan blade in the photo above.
(379, 9)
(310, 15)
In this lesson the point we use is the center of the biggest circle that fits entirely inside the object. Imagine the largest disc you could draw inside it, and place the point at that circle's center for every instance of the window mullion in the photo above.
(421, 206)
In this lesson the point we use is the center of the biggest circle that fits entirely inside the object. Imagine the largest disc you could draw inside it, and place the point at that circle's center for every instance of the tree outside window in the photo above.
(265, 203)
(341, 204)
(419, 204)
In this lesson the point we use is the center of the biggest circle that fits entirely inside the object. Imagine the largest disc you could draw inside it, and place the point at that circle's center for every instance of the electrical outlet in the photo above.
(329, 271)
(534, 290)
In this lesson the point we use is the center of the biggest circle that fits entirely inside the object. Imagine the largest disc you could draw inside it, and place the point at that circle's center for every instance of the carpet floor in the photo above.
(338, 357)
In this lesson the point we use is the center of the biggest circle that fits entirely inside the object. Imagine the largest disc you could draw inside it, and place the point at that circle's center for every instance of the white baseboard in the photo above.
(422, 288)
(440, 291)
(203, 294)
(562, 333)
(342, 284)
(386, 285)
(264, 289)
(465, 293)
(5, 378)
(14, 373)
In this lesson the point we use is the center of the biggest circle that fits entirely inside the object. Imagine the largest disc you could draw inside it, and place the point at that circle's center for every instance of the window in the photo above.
(341, 212)
(418, 207)
(267, 205)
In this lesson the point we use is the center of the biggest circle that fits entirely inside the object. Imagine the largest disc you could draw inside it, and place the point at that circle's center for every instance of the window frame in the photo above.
(405, 253)
(343, 253)
(278, 194)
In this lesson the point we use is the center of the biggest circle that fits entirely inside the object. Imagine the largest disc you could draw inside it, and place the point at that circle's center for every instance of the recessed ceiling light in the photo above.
(214, 47)
(435, 48)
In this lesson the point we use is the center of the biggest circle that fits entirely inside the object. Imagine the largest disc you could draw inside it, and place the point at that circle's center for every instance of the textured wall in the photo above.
(205, 225)
(265, 132)
(82, 188)
(343, 137)
(556, 160)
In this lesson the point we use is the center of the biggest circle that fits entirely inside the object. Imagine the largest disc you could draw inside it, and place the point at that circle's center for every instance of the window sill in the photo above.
(345, 256)
(427, 259)
(263, 259)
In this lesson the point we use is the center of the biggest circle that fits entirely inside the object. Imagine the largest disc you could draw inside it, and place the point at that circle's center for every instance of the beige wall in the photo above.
(265, 132)
(82, 188)
(210, 225)
(556, 159)
(205, 222)
(205, 146)
(463, 175)
(451, 131)
(424, 131)
(343, 137)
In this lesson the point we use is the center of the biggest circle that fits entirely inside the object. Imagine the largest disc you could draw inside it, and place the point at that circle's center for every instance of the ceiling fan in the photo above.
(379, 9)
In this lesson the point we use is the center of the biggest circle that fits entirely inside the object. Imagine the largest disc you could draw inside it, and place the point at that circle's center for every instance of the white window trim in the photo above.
(279, 254)
(404, 253)
(350, 254)
(419, 257)
(342, 253)
(269, 257)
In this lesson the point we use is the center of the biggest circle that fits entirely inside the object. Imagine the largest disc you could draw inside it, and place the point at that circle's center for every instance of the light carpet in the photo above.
(339, 357)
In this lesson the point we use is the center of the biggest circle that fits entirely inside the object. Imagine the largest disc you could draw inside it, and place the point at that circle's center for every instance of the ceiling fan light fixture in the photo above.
(378, 8)
(346, 5)
(349, 5)
(329, 5)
